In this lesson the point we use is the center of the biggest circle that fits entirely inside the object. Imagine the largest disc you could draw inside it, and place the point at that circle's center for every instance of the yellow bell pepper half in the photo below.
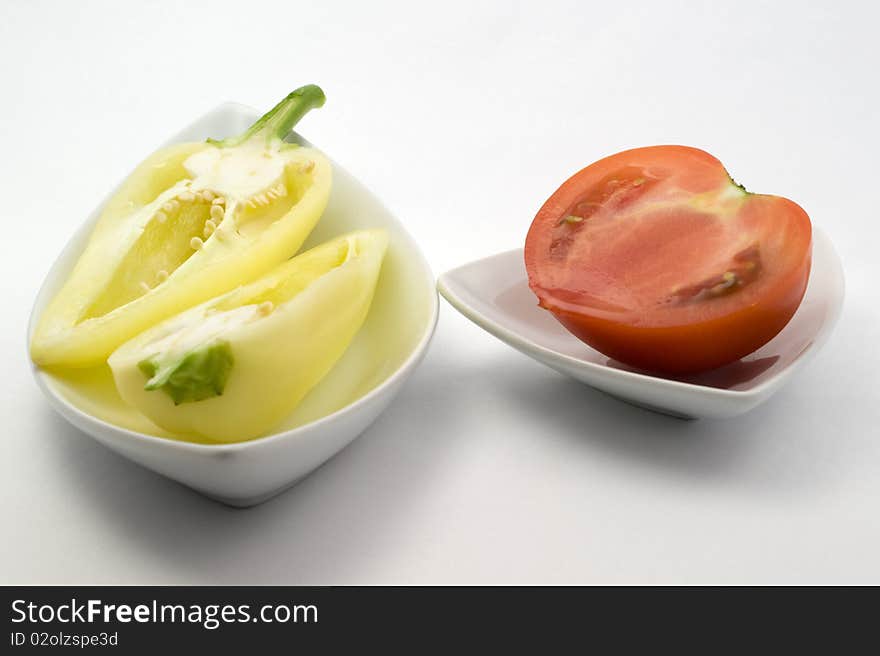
(194, 220)
(232, 368)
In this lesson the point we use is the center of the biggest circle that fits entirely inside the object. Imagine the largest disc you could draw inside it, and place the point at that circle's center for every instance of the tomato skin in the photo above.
(684, 336)
(689, 348)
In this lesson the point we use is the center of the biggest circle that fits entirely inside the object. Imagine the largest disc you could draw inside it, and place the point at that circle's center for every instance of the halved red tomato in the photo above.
(658, 259)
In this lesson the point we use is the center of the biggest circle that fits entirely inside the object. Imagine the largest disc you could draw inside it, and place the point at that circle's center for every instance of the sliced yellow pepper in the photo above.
(232, 368)
(194, 220)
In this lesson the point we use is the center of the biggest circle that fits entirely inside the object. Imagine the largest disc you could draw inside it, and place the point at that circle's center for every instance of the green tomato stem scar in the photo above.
(198, 375)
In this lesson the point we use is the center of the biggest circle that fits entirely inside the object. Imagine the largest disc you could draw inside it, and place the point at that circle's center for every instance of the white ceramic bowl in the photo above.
(494, 294)
(385, 352)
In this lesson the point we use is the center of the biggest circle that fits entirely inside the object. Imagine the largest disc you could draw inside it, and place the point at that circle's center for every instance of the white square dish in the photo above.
(494, 294)
(391, 343)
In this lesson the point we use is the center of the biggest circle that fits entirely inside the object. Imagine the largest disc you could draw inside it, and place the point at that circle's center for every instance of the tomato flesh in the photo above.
(656, 258)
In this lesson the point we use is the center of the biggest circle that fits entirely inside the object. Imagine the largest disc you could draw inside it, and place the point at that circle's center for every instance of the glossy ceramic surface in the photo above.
(494, 294)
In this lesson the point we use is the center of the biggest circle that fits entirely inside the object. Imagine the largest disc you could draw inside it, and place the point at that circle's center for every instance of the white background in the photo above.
(463, 118)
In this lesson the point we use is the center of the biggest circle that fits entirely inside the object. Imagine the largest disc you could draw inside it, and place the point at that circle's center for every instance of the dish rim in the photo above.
(525, 344)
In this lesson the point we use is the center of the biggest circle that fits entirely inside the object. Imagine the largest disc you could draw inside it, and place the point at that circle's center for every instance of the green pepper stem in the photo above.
(279, 121)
